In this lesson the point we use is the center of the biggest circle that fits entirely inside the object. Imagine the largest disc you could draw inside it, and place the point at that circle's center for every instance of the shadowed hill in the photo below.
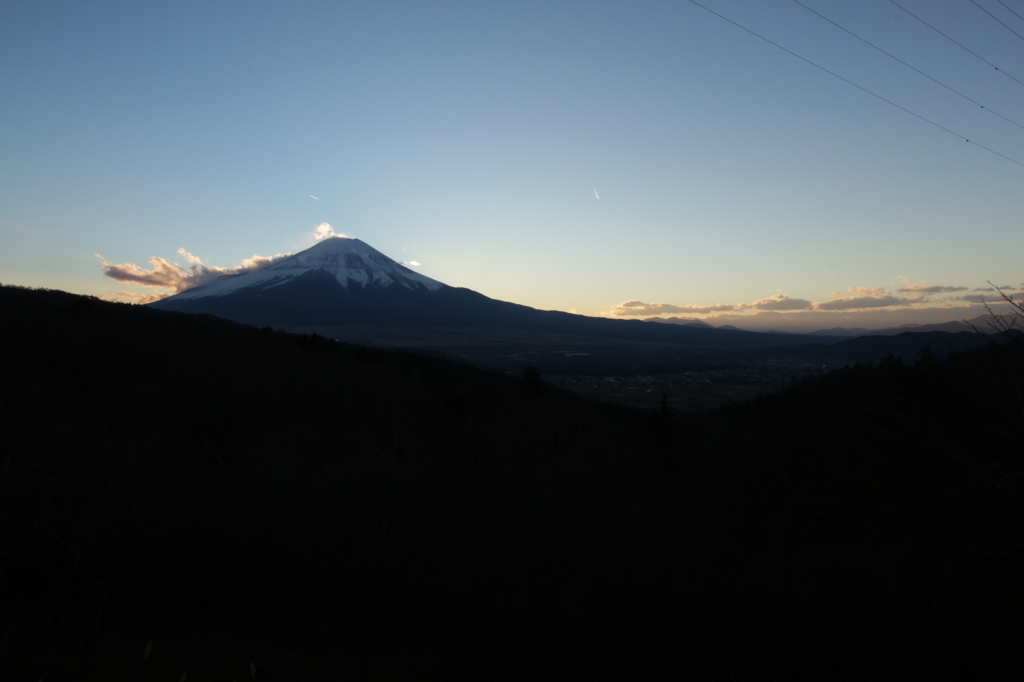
(906, 346)
(240, 495)
(317, 300)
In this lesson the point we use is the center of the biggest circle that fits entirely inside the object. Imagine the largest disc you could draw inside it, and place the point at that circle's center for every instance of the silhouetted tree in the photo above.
(1007, 330)
(533, 385)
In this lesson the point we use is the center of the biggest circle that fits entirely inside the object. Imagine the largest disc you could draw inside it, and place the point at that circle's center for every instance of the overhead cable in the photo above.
(891, 56)
(997, 19)
(962, 47)
(1010, 9)
(859, 87)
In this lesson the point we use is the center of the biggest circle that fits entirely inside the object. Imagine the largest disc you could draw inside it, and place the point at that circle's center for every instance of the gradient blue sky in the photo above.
(470, 136)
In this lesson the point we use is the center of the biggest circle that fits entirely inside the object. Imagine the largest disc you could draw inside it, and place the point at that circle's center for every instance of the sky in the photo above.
(770, 164)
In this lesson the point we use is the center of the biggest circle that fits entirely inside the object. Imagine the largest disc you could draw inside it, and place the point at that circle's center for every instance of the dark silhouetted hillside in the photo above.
(241, 496)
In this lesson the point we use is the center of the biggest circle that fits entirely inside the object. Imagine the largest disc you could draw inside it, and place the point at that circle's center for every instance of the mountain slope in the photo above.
(343, 281)
(351, 262)
(290, 514)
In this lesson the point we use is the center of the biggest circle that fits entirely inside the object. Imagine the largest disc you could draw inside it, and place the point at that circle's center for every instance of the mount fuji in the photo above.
(344, 282)
(339, 280)
(352, 262)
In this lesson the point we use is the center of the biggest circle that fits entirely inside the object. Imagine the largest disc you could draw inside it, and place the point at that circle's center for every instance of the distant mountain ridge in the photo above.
(683, 322)
(343, 281)
(953, 327)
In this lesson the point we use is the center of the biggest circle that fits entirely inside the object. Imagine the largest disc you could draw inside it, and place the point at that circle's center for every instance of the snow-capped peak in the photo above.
(351, 261)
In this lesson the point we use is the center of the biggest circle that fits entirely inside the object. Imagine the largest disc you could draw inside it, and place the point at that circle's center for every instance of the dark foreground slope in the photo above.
(237, 497)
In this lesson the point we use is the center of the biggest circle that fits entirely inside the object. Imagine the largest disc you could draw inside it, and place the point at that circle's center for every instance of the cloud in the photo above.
(863, 302)
(192, 259)
(923, 288)
(135, 297)
(257, 262)
(410, 262)
(163, 274)
(777, 302)
(870, 306)
(325, 231)
(869, 318)
(637, 308)
(872, 297)
(869, 292)
(313, 197)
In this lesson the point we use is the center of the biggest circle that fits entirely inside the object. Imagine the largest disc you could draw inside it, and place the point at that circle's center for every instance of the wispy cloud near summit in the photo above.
(173, 277)
(325, 231)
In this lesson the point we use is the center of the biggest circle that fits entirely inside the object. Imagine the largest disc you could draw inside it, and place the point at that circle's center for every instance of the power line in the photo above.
(859, 87)
(1010, 9)
(962, 47)
(891, 56)
(997, 19)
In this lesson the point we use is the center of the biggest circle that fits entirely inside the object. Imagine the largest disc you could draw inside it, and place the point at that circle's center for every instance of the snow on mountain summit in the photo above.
(351, 261)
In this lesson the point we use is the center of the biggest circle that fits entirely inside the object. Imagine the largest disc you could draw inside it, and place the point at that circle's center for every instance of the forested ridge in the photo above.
(182, 494)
